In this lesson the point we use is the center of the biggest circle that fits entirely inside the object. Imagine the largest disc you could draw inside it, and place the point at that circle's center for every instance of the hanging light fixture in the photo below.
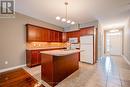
(65, 19)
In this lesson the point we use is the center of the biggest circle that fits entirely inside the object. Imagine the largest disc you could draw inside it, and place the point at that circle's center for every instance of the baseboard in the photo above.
(7, 69)
(126, 59)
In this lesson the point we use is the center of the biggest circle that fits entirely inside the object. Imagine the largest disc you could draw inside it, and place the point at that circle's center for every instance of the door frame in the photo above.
(105, 31)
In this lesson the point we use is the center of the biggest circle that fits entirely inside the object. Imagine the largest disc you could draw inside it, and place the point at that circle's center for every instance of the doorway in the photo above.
(113, 42)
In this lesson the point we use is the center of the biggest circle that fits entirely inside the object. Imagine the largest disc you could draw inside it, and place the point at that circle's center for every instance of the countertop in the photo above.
(45, 48)
(60, 52)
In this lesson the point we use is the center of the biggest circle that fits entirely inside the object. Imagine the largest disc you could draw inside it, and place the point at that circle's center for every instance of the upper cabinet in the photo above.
(33, 34)
(41, 34)
(87, 31)
(73, 34)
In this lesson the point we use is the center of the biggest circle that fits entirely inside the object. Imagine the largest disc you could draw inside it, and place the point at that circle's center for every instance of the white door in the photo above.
(86, 45)
(114, 43)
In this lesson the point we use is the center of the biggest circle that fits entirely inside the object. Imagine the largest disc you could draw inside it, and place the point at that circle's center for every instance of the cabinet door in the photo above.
(39, 57)
(34, 57)
(38, 35)
(60, 36)
(52, 35)
(73, 34)
(46, 35)
(33, 34)
(87, 31)
(64, 37)
(57, 36)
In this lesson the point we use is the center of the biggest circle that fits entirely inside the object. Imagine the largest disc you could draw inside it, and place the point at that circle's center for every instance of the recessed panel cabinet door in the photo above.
(41, 34)
(64, 37)
(34, 57)
(87, 31)
(73, 34)
(33, 34)
(46, 35)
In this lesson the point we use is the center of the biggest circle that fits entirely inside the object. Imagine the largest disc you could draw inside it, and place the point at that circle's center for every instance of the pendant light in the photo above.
(65, 19)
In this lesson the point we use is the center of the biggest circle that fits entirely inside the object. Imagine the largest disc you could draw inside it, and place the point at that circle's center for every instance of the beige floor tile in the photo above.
(110, 71)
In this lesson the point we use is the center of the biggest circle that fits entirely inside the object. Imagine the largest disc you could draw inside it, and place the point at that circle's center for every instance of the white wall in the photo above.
(13, 39)
(100, 41)
(127, 40)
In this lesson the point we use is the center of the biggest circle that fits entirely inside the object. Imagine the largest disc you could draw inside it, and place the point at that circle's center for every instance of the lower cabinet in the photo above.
(33, 58)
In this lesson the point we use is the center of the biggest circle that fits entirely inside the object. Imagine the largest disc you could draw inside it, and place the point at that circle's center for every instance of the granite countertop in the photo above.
(60, 52)
(44, 48)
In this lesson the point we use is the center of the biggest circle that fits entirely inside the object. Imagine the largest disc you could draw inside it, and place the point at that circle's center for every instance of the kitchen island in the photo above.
(56, 65)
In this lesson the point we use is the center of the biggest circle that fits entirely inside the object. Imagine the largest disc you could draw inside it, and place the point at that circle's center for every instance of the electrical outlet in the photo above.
(6, 62)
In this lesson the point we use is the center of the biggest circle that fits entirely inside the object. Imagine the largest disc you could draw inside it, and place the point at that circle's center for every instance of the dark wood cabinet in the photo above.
(56, 36)
(56, 68)
(33, 34)
(41, 34)
(64, 37)
(73, 34)
(87, 31)
(33, 57)
(45, 36)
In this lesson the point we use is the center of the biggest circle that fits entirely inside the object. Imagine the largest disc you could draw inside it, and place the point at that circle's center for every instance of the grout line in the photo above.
(108, 74)
(118, 73)
(120, 79)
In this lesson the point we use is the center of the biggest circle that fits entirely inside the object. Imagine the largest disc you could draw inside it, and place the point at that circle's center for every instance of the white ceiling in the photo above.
(82, 11)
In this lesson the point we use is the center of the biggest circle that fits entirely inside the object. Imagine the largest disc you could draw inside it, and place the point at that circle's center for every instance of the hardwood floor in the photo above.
(18, 78)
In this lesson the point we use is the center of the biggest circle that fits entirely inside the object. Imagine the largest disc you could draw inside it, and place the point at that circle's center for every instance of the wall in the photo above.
(72, 28)
(92, 23)
(12, 39)
(100, 41)
(78, 26)
(127, 40)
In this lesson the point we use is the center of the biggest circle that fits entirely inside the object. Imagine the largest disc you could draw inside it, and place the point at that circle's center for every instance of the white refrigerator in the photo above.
(87, 45)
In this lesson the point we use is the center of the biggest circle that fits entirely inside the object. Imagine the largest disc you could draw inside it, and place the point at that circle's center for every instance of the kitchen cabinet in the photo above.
(41, 34)
(54, 68)
(33, 34)
(56, 36)
(45, 35)
(33, 57)
(73, 34)
(87, 31)
(64, 37)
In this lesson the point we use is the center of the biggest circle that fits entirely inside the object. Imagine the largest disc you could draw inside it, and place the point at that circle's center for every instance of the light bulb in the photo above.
(68, 21)
(63, 20)
(72, 22)
(57, 18)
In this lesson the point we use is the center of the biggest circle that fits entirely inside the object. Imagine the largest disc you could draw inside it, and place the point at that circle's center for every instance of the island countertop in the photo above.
(60, 52)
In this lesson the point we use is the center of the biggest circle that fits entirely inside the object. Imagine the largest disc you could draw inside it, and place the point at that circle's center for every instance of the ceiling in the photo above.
(82, 11)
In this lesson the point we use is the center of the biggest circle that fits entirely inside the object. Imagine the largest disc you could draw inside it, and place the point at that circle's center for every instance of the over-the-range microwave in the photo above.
(73, 40)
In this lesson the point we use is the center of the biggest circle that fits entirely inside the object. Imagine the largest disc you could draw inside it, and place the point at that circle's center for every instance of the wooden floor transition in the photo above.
(18, 78)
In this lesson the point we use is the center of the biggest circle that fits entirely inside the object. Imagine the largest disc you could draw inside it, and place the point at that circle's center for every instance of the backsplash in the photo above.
(33, 45)
(47, 45)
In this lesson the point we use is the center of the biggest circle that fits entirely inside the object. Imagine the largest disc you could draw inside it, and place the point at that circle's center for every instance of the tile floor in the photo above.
(110, 71)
